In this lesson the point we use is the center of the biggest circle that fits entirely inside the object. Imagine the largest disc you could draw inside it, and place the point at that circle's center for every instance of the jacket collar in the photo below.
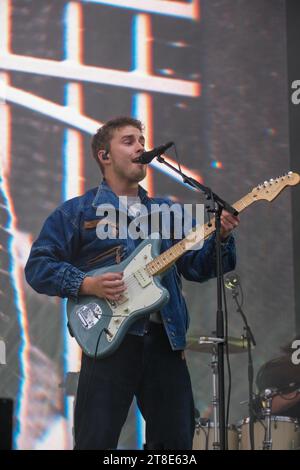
(106, 195)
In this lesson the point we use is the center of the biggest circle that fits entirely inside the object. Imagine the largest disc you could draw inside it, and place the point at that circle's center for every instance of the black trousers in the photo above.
(144, 366)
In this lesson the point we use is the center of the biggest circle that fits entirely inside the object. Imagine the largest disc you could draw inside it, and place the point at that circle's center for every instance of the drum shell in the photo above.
(204, 437)
(285, 433)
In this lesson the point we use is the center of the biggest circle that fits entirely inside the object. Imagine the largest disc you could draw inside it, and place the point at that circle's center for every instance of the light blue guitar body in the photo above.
(99, 325)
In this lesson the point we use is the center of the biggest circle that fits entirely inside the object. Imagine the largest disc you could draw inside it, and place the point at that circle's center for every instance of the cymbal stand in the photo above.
(267, 443)
(215, 400)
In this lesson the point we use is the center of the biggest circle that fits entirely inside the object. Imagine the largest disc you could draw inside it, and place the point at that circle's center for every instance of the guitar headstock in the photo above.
(269, 190)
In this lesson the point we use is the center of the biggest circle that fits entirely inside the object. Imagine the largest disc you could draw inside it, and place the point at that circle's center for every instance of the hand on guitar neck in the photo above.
(228, 223)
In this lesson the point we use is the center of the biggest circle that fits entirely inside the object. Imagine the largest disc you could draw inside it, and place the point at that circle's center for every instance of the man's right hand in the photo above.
(108, 285)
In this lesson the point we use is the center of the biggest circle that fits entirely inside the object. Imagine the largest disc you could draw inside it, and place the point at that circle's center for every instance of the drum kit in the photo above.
(270, 432)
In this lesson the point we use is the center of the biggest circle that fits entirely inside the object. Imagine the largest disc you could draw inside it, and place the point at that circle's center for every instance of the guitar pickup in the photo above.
(143, 277)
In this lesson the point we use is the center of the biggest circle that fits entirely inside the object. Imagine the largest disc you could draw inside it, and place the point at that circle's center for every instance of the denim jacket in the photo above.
(68, 248)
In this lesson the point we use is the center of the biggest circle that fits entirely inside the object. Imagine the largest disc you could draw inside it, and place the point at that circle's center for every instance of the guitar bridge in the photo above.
(121, 300)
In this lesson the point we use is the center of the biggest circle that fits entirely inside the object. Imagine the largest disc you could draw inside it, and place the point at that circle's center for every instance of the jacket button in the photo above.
(173, 334)
(169, 319)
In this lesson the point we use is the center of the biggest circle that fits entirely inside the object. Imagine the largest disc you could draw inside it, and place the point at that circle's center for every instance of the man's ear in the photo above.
(103, 154)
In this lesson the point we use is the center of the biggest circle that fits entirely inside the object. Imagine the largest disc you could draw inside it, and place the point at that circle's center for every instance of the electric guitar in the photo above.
(100, 324)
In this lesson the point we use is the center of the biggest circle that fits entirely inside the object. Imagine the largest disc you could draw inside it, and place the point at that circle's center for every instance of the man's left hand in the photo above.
(228, 223)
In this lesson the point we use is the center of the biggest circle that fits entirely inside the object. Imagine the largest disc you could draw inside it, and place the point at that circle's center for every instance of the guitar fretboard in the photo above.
(170, 256)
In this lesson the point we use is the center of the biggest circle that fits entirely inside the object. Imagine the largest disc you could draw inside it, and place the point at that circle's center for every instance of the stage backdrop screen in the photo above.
(209, 75)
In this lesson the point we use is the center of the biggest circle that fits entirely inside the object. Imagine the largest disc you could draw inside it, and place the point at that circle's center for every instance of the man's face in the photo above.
(127, 144)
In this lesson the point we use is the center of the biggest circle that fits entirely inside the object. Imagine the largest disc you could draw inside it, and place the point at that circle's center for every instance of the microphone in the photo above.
(232, 281)
(147, 157)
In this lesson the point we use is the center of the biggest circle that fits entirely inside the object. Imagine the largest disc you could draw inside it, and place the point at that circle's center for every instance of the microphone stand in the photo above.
(210, 195)
(215, 205)
(250, 339)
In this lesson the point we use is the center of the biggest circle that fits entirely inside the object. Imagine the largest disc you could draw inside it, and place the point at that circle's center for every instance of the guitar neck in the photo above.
(165, 260)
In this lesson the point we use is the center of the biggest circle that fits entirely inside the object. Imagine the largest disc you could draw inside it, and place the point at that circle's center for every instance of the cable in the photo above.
(177, 158)
(227, 352)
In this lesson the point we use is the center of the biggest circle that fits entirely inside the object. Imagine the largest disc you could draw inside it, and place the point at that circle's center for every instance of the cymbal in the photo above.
(204, 344)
